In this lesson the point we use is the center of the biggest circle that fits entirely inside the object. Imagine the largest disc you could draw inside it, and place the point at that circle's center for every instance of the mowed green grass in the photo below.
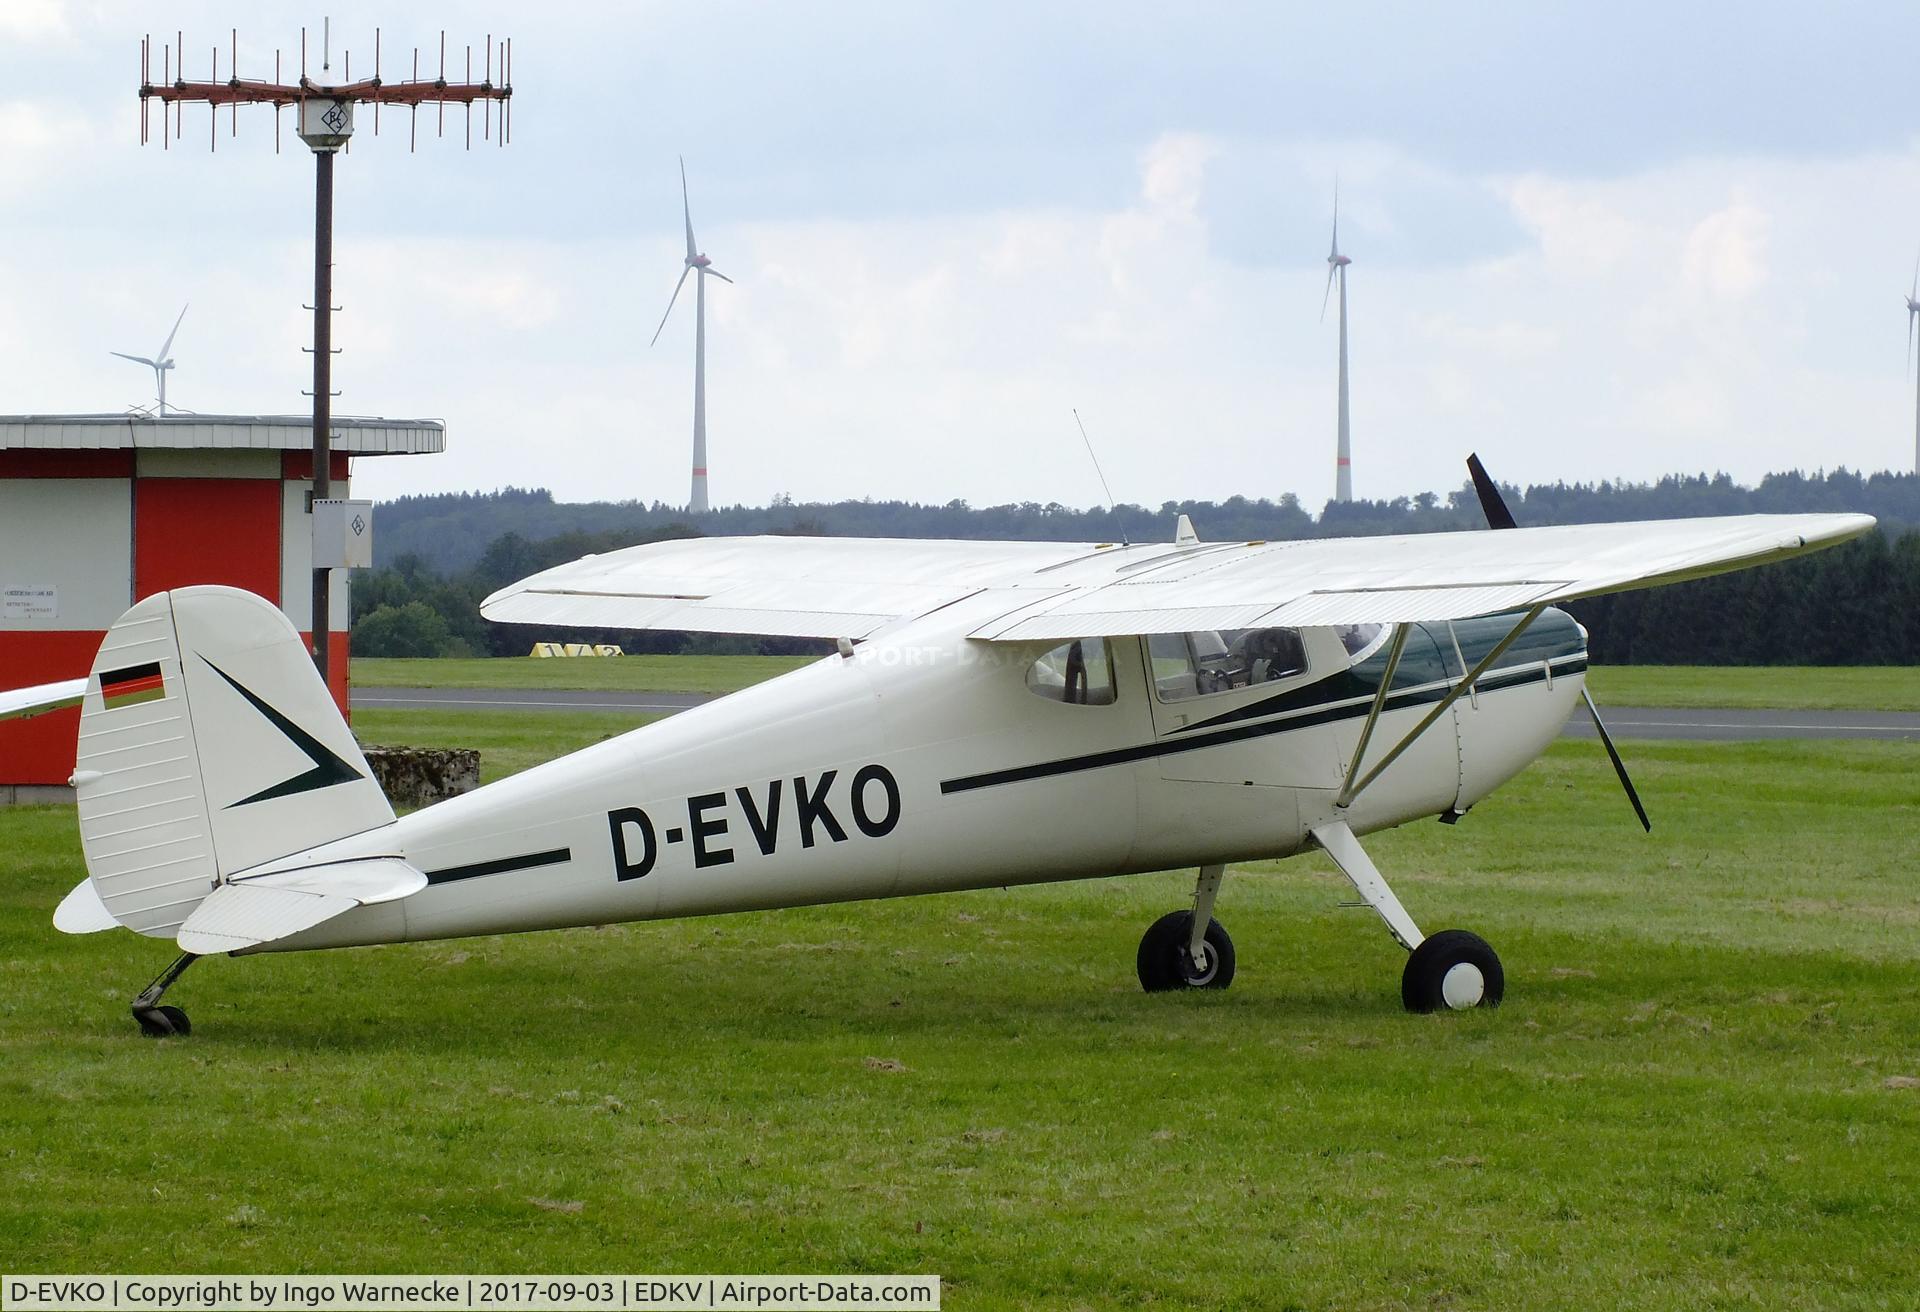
(1883, 688)
(1782, 687)
(581, 673)
(1694, 1096)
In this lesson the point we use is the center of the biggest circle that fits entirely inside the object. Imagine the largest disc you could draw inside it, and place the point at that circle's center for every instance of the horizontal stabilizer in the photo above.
(82, 911)
(249, 912)
(25, 703)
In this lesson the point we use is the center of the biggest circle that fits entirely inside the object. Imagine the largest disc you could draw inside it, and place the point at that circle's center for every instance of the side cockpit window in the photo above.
(1079, 673)
(1195, 664)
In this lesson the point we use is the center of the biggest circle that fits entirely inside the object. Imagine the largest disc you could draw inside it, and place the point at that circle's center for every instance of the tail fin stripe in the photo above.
(328, 768)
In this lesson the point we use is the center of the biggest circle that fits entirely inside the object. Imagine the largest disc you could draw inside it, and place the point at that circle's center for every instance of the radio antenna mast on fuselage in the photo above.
(1112, 509)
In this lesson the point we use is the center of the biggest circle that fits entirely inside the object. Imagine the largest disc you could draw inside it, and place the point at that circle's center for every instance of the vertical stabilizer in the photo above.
(208, 745)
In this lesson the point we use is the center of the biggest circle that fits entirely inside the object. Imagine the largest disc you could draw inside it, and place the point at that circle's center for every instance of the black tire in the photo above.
(1164, 963)
(164, 1023)
(1423, 985)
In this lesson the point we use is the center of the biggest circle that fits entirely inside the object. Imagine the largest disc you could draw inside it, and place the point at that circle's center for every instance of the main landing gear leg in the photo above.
(156, 1021)
(1188, 949)
(1452, 969)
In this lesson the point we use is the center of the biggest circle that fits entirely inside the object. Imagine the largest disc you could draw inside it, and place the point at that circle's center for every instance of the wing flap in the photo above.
(798, 587)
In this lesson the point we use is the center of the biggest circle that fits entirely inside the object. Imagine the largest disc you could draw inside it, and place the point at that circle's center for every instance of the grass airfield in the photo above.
(1701, 1092)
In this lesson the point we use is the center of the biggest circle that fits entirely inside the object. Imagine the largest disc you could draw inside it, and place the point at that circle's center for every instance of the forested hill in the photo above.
(450, 532)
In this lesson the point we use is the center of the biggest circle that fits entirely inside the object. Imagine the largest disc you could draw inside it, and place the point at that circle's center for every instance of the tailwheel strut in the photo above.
(156, 1021)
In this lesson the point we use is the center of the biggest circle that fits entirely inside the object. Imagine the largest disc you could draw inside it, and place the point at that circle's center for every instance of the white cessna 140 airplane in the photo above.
(998, 713)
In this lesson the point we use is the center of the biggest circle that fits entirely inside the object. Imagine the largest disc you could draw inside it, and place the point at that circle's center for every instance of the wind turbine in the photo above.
(161, 363)
(1337, 269)
(696, 262)
(1913, 310)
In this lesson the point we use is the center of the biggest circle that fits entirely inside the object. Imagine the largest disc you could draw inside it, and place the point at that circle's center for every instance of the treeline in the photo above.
(1853, 605)
(410, 609)
(452, 531)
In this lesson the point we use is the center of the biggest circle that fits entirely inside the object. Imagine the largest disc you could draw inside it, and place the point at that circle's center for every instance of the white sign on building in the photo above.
(29, 601)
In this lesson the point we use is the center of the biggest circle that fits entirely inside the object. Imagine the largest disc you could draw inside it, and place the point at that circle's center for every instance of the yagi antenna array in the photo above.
(174, 90)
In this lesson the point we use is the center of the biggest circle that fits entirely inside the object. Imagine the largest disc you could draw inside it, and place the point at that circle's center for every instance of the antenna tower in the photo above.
(323, 118)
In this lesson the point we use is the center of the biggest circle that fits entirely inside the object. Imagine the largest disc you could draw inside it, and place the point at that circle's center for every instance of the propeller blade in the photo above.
(716, 273)
(686, 208)
(1914, 295)
(1494, 507)
(137, 359)
(168, 344)
(1492, 504)
(1619, 766)
(670, 300)
(1331, 270)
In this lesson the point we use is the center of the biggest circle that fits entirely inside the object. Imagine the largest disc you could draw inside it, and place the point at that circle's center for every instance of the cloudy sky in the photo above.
(1589, 241)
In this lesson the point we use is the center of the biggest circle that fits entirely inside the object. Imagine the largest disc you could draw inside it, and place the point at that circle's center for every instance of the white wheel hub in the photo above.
(1463, 986)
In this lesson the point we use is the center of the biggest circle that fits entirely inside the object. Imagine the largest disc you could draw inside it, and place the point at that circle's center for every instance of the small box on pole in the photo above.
(342, 534)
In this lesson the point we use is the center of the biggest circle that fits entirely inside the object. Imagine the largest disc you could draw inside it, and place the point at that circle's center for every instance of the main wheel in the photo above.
(1165, 964)
(1455, 970)
(164, 1022)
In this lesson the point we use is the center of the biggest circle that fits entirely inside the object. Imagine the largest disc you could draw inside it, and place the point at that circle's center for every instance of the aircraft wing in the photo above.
(801, 587)
(24, 703)
(1431, 576)
(850, 587)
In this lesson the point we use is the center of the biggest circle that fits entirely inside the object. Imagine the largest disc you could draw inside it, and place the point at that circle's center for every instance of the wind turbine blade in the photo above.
(137, 359)
(1914, 295)
(1331, 270)
(686, 209)
(670, 300)
(1334, 251)
(168, 344)
(716, 273)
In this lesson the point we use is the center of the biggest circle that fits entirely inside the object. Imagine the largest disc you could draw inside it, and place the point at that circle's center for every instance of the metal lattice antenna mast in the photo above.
(323, 116)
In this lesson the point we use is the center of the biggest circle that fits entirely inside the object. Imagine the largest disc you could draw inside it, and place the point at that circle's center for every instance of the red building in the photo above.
(98, 511)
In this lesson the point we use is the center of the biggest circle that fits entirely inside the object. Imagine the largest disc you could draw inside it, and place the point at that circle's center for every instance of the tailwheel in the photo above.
(1170, 959)
(163, 1022)
(1455, 970)
(156, 1021)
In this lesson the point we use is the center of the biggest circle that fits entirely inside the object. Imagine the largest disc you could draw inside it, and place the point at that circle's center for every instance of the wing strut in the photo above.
(1353, 790)
(1398, 645)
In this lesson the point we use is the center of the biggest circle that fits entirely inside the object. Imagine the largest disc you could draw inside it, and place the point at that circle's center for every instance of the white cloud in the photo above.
(33, 20)
(1726, 252)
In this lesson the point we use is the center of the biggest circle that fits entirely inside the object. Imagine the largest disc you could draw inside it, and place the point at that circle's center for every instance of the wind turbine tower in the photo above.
(160, 364)
(697, 263)
(1913, 309)
(1337, 271)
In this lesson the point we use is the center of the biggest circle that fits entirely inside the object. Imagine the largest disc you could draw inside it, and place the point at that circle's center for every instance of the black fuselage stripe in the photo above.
(1492, 681)
(501, 866)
